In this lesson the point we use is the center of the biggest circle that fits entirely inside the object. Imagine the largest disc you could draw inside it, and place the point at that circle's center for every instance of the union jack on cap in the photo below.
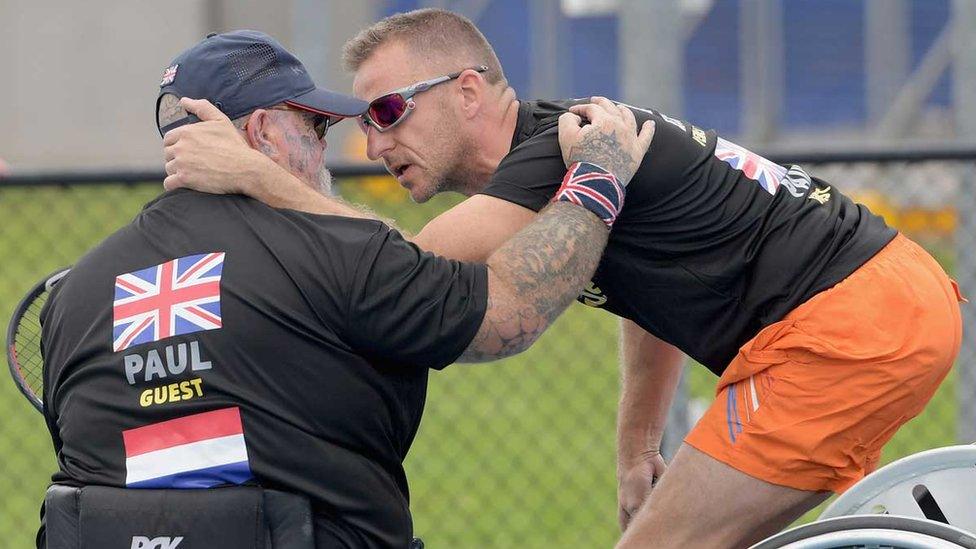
(169, 75)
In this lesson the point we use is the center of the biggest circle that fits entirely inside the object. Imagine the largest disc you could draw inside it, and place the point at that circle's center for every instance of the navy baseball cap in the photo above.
(245, 70)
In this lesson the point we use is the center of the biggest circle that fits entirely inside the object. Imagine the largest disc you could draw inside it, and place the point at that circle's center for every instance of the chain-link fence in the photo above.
(518, 453)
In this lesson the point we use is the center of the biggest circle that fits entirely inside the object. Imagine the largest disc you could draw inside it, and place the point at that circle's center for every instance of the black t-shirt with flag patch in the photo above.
(216, 340)
(713, 242)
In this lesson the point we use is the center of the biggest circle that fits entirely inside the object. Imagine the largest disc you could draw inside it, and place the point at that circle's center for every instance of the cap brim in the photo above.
(333, 104)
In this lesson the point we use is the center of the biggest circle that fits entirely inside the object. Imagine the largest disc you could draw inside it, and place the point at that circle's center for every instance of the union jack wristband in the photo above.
(593, 188)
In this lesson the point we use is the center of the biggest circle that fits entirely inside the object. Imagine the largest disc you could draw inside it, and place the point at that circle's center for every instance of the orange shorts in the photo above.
(809, 402)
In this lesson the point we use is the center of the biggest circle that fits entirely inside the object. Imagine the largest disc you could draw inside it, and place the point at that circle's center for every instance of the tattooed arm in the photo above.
(534, 276)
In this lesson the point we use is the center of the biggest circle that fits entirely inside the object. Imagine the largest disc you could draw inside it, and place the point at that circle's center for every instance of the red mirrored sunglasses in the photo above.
(388, 110)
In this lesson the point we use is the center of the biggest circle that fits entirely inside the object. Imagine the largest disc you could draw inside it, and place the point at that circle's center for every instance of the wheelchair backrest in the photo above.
(235, 517)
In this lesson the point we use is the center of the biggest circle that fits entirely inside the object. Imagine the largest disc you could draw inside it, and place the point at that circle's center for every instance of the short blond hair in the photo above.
(433, 33)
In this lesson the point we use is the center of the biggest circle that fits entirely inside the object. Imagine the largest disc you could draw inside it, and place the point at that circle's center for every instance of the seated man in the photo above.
(218, 341)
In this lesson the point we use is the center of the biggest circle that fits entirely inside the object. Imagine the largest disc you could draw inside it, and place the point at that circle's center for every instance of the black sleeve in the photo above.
(411, 306)
(530, 175)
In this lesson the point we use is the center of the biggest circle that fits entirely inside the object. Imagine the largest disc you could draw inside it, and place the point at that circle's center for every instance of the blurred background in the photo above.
(874, 96)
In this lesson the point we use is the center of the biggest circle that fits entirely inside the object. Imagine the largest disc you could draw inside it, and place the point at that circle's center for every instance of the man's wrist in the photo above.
(593, 187)
(633, 446)
(632, 458)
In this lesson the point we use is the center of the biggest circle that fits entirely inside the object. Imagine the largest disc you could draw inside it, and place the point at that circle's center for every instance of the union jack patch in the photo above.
(594, 188)
(768, 174)
(169, 75)
(180, 296)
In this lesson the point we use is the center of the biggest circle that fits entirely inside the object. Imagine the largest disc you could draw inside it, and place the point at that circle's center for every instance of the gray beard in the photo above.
(323, 181)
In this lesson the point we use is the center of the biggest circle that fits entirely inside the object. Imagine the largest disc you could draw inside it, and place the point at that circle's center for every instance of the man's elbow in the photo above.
(498, 339)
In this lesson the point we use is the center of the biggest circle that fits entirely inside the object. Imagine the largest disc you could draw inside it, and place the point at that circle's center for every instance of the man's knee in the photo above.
(703, 502)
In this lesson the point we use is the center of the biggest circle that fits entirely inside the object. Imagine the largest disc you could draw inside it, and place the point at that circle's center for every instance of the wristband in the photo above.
(593, 188)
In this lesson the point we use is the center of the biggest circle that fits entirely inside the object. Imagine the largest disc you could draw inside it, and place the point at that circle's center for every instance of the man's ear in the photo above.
(260, 133)
(472, 86)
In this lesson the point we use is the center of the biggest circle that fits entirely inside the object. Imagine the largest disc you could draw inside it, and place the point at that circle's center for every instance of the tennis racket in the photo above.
(24, 340)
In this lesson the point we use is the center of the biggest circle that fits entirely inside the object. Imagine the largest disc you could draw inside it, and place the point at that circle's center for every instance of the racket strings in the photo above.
(27, 345)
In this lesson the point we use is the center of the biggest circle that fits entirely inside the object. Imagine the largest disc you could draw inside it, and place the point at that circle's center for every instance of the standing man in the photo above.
(216, 340)
(805, 304)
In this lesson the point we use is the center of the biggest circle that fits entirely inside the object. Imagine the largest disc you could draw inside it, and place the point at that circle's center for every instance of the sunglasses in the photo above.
(320, 122)
(386, 111)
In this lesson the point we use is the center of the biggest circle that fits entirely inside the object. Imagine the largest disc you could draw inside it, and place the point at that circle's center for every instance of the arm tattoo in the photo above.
(604, 150)
(534, 277)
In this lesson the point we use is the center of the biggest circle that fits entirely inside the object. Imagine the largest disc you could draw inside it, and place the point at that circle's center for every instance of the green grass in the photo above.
(42, 229)
(514, 453)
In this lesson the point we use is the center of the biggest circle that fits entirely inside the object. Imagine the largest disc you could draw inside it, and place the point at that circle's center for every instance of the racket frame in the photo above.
(45, 285)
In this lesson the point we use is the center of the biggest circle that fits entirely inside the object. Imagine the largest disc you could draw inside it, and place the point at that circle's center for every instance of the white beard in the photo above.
(323, 181)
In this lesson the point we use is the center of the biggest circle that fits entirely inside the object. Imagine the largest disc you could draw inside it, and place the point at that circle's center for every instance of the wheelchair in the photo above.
(923, 501)
(245, 517)
(232, 517)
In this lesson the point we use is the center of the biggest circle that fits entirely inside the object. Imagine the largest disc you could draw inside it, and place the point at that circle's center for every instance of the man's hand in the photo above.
(634, 484)
(211, 155)
(610, 140)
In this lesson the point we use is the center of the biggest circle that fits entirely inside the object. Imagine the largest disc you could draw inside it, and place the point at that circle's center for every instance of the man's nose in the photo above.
(377, 143)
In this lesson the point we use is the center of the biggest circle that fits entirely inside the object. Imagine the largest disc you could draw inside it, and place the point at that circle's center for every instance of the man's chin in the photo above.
(418, 193)
(420, 198)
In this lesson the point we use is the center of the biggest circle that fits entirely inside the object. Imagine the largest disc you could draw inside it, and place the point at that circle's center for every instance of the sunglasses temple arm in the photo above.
(427, 84)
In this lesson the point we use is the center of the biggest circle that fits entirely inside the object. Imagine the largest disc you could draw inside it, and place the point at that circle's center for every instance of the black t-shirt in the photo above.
(713, 242)
(218, 340)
